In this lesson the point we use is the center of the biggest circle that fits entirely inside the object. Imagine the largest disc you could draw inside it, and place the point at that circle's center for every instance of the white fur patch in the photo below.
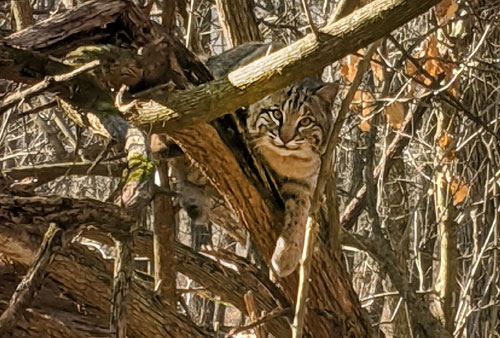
(298, 163)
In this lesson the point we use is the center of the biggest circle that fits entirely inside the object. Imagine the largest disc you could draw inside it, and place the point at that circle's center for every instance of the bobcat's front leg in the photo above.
(288, 249)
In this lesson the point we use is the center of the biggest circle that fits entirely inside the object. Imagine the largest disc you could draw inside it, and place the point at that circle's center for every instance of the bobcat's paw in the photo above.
(286, 255)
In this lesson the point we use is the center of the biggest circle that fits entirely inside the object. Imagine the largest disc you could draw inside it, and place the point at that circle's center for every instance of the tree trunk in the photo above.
(238, 21)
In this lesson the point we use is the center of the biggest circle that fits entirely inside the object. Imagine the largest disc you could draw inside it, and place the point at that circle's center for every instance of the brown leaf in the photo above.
(363, 101)
(349, 67)
(377, 69)
(445, 140)
(395, 113)
(445, 11)
(459, 190)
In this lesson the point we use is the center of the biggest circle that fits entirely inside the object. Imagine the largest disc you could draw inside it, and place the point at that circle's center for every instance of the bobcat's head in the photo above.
(292, 125)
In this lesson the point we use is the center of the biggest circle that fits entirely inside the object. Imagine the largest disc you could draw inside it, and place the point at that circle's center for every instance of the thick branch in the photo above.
(204, 147)
(87, 278)
(227, 283)
(33, 280)
(252, 82)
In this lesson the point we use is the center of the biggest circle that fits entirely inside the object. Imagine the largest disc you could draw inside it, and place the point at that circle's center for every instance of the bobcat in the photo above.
(287, 131)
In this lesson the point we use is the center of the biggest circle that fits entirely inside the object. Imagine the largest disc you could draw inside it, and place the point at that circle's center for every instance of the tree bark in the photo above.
(33, 280)
(84, 273)
(238, 21)
(22, 13)
(164, 239)
(446, 281)
(334, 308)
(87, 278)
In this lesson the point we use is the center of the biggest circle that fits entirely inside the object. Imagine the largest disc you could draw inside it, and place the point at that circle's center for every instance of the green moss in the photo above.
(86, 54)
(142, 168)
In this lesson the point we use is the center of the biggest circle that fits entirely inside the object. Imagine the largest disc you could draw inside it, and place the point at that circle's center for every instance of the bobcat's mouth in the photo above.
(295, 152)
(287, 147)
(292, 145)
(293, 149)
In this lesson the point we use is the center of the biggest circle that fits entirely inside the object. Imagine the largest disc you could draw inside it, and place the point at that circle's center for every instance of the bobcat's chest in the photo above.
(299, 164)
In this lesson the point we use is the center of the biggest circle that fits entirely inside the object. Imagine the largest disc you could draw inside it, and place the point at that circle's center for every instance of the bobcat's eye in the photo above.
(305, 122)
(277, 114)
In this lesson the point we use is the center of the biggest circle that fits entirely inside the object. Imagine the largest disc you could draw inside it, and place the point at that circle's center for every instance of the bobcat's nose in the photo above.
(287, 133)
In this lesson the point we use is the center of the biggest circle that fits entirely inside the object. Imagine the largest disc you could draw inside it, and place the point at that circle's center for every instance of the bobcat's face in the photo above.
(289, 128)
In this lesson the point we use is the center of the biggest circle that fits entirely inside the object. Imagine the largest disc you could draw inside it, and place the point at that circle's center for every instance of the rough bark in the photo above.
(122, 279)
(84, 275)
(25, 292)
(22, 13)
(334, 309)
(50, 302)
(164, 239)
(87, 278)
(238, 21)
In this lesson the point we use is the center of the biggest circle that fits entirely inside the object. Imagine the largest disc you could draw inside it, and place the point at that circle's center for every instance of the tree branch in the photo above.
(22, 297)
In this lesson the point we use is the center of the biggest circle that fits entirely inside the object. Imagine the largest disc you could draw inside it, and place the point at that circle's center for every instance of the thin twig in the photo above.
(327, 160)
(264, 319)
(36, 110)
(310, 19)
(305, 271)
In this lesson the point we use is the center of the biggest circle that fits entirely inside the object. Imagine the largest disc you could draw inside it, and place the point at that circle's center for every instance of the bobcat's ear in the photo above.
(328, 92)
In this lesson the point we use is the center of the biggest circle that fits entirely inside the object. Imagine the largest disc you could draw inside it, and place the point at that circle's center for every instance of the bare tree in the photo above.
(408, 212)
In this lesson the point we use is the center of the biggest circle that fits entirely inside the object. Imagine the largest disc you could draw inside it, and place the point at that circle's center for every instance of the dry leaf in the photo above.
(395, 113)
(377, 68)
(349, 67)
(435, 55)
(459, 190)
(445, 11)
(445, 140)
(363, 101)
(433, 64)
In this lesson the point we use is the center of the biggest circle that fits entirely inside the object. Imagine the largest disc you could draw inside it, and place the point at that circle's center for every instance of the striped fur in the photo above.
(288, 131)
